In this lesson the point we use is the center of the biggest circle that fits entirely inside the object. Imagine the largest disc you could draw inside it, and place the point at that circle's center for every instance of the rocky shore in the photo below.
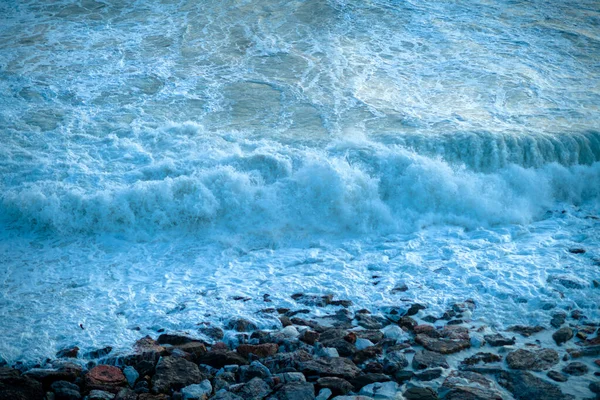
(402, 353)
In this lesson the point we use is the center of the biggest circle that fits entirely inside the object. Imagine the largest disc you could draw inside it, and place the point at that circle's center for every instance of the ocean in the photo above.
(165, 164)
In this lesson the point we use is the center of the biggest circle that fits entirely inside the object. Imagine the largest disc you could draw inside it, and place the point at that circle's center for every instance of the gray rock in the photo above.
(334, 366)
(381, 390)
(225, 395)
(338, 386)
(324, 394)
(558, 318)
(131, 375)
(428, 359)
(526, 386)
(497, 339)
(100, 395)
(290, 377)
(562, 335)
(296, 391)
(575, 368)
(442, 345)
(394, 361)
(175, 373)
(64, 390)
(420, 393)
(221, 358)
(200, 391)
(429, 374)
(256, 389)
(535, 360)
(557, 376)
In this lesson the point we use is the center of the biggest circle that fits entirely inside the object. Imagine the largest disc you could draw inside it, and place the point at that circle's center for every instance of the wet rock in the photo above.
(462, 385)
(131, 375)
(259, 350)
(414, 309)
(254, 370)
(343, 347)
(407, 323)
(334, 366)
(381, 390)
(193, 349)
(126, 394)
(70, 352)
(576, 369)
(535, 360)
(221, 358)
(400, 288)
(558, 318)
(324, 394)
(577, 250)
(367, 354)
(241, 325)
(526, 386)
(295, 391)
(371, 322)
(212, 332)
(429, 374)
(394, 332)
(64, 390)
(497, 339)
(481, 358)
(342, 303)
(282, 361)
(567, 281)
(557, 376)
(256, 389)
(65, 372)
(394, 361)
(312, 300)
(443, 346)
(338, 386)
(368, 378)
(100, 395)
(105, 378)
(420, 393)
(200, 391)
(341, 319)
(590, 351)
(224, 395)
(99, 353)
(289, 377)
(374, 335)
(427, 359)
(309, 337)
(526, 331)
(562, 335)
(174, 340)
(223, 380)
(148, 396)
(175, 373)
(595, 387)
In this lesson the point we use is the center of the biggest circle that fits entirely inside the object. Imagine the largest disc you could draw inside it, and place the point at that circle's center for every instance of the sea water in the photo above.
(159, 160)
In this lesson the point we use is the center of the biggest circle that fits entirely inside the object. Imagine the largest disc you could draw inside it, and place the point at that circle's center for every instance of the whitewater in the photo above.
(160, 161)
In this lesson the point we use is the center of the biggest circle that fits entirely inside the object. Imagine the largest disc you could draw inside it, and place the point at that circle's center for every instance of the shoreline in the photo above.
(404, 353)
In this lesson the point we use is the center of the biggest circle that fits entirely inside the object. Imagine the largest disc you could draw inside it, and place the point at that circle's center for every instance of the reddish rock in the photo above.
(70, 352)
(426, 329)
(309, 337)
(350, 337)
(105, 377)
(259, 350)
(196, 349)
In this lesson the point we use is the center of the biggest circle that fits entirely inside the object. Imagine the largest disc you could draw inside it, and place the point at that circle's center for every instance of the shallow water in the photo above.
(159, 159)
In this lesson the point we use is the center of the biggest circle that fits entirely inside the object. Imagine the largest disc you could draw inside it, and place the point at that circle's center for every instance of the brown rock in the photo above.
(175, 373)
(70, 352)
(562, 335)
(330, 366)
(442, 345)
(526, 330)
(105, 377)
(309, 337)
(221, 358)
(535, 360)
(259, 350)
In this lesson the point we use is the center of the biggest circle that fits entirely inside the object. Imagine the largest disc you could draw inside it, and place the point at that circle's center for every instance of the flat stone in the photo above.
(535, 360)
(557, 376)
(526, 331)
(420, 393)
(259, 350)
(575, 368)
(562, 335)
(367, 354)
(175, 373)
(443, 346)
(427, 359)
(526, 386)
(106, 378)
(481, 357)
(370, 322)
(429, 374)
(295, 391)
(70, 352)
(333, 366)
(497, 339)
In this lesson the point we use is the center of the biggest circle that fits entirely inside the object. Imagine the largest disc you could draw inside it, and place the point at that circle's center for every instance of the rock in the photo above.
(281, 362)
(577, 250)
(576, 369)
(442, 345)
(427, 359)
(343, 347)
(212, 332)
(381, 390)
(414, 309)
(324, 394)
(295, 391)
(367, 354)
(256, 389)
(259, 350)
(343, 303)
(558, 318)
(309, 337)
(221, 358)
(64, 390)
(126, 394)
(526, 330)
(394, 332)
(352, 398)
(590, 351)
(289, 377)
(557, 376)
(471, 393)
(105, 378)
(175, 373)
(66, 372)
(174, 340)
(194, 349)
(403, 376)
(407, 323)
(481, 358)
(497, 339)
(100, 395)
(99, 353)
(526, 386)
(254, 370)
(241, 325)
(370, 321)
(131, 375)
(429, 374)
(70, 352)
(562, 335)
(536, 360)
(200, 391)
(225, 395)
(420, 393)
(312, 300)
(334, 366)
(338, 386)
(595, 387)
(461, 385)
(148, 396)
(400, 288)
(394, 361)
(368, 378)
(567, 281)
(373, 335)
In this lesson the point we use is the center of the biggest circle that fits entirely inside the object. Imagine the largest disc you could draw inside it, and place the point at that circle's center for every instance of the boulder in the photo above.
(64, 390)
(442, 345)
(557, 376)
(175, 373)
(420, 393)
(338, 386)
(256, 389)
(562, 335)
(381, 390)
(428, 359)
(330, 366)
(69, 352)
(259, 350)
(105, 378)
(535, 360)
(526, 386)
(198, 391)
(497, 339)
(575, 368)
(394, 361)
(221, 358)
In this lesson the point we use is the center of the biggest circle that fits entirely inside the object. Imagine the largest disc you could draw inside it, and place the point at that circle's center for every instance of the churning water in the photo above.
(159, 158)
